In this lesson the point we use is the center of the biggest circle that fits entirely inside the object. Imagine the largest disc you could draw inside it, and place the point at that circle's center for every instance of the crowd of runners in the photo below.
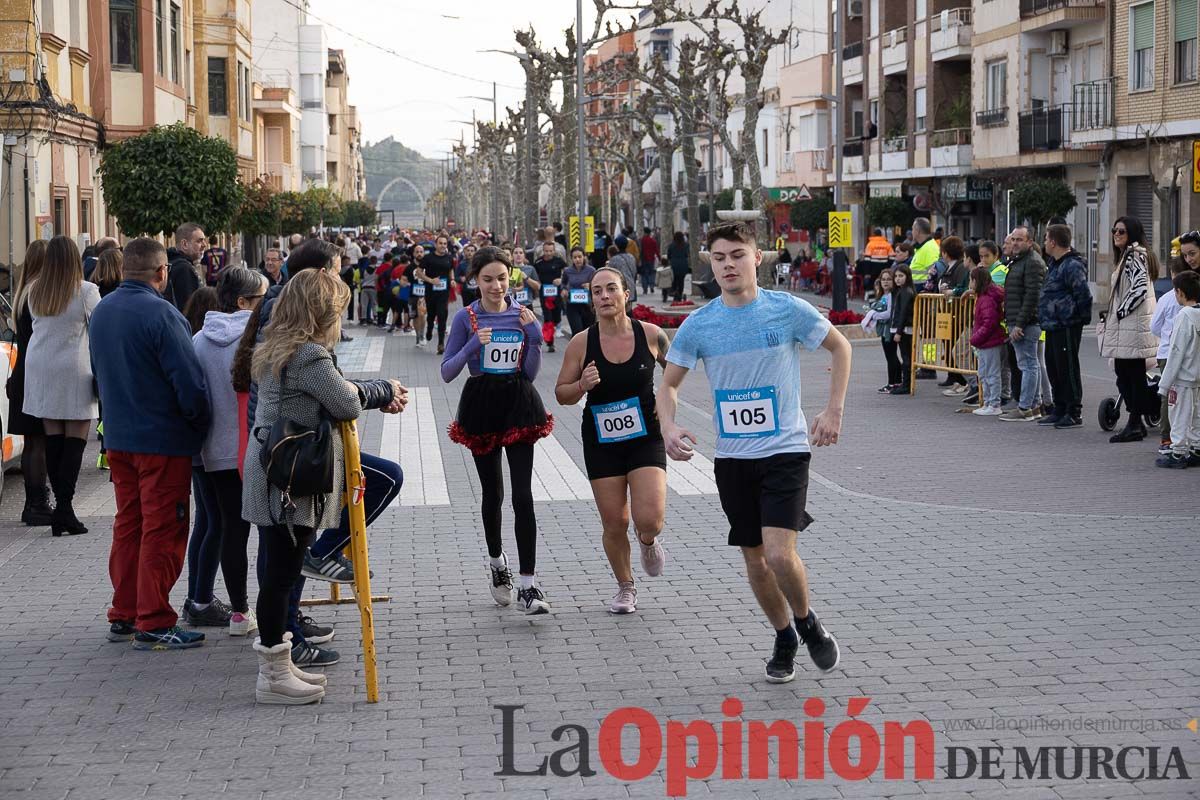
(230, 396)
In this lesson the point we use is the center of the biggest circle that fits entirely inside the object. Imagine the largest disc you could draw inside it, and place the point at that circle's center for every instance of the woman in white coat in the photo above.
(58, 372)
(1127, 338)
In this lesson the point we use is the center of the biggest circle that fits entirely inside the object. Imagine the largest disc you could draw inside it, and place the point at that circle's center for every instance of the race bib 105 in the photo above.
(747, 413)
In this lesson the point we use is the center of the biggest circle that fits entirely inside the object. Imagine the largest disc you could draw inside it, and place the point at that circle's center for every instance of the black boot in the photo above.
(1134, 431)
(64, 474)
(37, 511)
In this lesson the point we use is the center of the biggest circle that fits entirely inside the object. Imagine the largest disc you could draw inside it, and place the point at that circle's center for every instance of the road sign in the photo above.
(573, 232)
(840, 234)
(1196, 167)
(589, 235)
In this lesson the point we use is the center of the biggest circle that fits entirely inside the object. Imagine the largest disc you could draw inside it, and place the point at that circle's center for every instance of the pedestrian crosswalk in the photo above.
(413, 440)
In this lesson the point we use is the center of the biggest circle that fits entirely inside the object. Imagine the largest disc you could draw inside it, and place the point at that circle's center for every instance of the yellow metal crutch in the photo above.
(356, 486)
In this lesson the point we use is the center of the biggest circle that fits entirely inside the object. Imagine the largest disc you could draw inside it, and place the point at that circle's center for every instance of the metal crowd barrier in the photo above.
(942, 335)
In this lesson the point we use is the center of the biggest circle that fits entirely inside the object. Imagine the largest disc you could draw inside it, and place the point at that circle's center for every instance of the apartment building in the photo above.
(607, 179)
(222, 30)
(343, 165)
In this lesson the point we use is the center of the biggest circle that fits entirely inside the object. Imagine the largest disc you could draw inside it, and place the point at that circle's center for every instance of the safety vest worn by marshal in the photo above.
(999, 273)
(923, 259)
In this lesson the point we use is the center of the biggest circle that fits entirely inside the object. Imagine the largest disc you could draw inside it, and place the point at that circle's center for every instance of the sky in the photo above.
(420, 106)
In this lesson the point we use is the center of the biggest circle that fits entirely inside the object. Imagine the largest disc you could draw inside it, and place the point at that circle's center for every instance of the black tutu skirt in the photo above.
(495, 411)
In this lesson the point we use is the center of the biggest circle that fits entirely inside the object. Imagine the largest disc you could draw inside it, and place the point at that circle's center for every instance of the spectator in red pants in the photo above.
(156, 416)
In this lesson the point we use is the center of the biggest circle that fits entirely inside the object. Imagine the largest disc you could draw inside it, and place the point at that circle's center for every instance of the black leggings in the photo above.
(890, 353)
(905, 346)
(284, 560)
(491, 479)
(579, 317)
(437, 309)
(235, 533)
(1131, 383)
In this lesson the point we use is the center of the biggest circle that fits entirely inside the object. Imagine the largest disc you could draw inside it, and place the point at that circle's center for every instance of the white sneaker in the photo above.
(987, 411)
(420, 342)
(954, 391)
(242, 624)
(502, 585)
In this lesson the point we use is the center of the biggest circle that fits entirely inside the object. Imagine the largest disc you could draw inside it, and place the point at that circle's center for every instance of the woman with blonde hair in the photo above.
(299, 383)
(59, 386)
(33, 458)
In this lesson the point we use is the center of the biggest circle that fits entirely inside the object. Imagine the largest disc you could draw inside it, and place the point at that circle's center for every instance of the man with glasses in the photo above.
(273, 268)
(1023, 290)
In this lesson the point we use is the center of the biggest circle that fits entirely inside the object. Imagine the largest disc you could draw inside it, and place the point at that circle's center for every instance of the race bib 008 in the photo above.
(616, 422)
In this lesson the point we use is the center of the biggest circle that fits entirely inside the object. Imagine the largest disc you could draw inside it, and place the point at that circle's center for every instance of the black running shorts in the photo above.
(618, 459)
(757, 493)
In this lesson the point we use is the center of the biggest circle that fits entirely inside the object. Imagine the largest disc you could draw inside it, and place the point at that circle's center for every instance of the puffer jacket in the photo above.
(1066, 299)
(1023, 290)
(989, 311)
(1126, 332)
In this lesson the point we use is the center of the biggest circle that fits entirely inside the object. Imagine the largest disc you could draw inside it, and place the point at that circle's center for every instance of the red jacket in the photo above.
(649, 250)
(989, 311)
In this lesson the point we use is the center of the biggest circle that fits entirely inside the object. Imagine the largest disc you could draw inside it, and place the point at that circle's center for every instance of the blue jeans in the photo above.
(384, 480)
(204, 547)
(1026, 349)
(989, 374)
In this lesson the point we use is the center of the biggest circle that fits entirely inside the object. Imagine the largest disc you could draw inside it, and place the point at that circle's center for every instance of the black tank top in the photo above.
(632, 378)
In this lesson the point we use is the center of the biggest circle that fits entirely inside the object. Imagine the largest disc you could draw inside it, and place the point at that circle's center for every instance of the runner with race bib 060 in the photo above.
(749, 339)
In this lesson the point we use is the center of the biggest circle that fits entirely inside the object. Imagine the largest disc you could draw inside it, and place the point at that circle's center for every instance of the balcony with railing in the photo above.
(853, 162)
(1045, 14)
(852, 62)
(1045, 129)
(806, 167)
(950, 35)
(895, 153)
(894, 45)
(992, 118)
(1092, 106)
(950, 148)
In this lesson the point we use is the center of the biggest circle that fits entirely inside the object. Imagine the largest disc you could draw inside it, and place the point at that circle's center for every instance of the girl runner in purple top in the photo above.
(499, 343)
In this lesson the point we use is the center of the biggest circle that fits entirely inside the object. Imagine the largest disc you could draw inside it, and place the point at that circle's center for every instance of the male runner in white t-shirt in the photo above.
(748, 340)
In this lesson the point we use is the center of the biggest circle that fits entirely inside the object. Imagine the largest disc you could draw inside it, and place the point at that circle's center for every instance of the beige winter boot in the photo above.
(315, 678)
(276, 683)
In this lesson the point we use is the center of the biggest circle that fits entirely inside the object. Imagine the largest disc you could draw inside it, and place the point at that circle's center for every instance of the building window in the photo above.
(765, 147)
(159, 50)
(996, 88)
(241, 90)
(1185, 40)
(123, 32)
(85, 215)
(333, 124)
(60, 216)
(249, 96)
(662, 49)
(1141, 47)
(919, 98)
(175, 40)
(218, 99)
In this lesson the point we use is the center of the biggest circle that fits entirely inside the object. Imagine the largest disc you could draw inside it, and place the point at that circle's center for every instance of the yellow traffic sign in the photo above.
(840, 233)
(589, 234)
(572, 232)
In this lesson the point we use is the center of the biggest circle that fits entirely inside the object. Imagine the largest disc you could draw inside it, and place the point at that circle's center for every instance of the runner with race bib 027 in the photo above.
(612, 362)
(749, 340)
(499, 343)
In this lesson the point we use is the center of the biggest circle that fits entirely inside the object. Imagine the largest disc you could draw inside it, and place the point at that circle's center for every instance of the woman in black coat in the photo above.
(37, 509)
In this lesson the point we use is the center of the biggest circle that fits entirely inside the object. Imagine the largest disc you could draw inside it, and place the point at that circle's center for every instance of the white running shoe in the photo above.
(502, 584)
(242, 623)
(625, 600)
(987, 411)
(533, 600)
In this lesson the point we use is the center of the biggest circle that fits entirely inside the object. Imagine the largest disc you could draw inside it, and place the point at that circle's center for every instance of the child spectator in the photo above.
(1161, 325)
(879, 319)
(901, 330)
(367, 312)
(1181, 378)
(987, 337)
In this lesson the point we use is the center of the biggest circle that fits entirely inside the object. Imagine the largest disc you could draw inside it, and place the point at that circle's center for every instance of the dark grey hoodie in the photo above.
(216, 344)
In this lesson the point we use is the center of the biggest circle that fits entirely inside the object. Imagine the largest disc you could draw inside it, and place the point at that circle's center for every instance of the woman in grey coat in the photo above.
(298, 381)
(59, 386)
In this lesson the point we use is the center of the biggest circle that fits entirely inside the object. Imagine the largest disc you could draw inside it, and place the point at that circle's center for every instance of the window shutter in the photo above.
(1143, 26)
(1185, 20)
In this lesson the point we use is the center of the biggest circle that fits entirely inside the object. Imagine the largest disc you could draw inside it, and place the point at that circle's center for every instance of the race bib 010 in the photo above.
(502, 355)
(617, 422)
(578, 296)
(747, 413)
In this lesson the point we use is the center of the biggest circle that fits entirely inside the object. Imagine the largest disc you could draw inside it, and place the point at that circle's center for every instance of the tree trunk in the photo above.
(750, 142)
(692, 205)
(666, 191)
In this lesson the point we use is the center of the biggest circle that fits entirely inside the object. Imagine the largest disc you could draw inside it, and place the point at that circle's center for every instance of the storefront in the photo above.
(967, 204)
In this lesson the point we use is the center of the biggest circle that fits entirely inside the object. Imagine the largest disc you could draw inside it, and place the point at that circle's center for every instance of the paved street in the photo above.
(975, 572)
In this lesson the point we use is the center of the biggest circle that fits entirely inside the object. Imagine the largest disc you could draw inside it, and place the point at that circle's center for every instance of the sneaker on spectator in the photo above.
(1171, 461)
(215, 615)
(956, 390)
(175, 638)
(314, 633)
(1050, 419)
(329, 568)
(242, 623)
(987, 411)
(1019, 415)
(1164, 446)
(121, 631)
(306, 654)
(1068, 422)
(971, 398)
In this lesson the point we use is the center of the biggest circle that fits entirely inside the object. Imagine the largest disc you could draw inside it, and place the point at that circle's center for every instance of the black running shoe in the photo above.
(305, 654)
(121, 631)
(822, 648)
(782, 666)
(314, 633)
(215, 615)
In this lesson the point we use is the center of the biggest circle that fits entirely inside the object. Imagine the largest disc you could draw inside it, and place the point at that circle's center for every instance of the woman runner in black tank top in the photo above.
(612, 363)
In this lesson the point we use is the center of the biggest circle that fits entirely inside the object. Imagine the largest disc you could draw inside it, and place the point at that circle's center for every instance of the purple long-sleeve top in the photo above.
(464, 350)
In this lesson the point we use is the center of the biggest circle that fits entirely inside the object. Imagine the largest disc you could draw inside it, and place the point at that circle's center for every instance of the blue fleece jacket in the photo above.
(152, 389)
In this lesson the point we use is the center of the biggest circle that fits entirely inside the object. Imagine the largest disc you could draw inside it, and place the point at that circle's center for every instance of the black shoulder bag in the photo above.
(298, 459)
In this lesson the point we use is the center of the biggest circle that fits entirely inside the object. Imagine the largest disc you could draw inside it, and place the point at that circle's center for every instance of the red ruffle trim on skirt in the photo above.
(484, 443)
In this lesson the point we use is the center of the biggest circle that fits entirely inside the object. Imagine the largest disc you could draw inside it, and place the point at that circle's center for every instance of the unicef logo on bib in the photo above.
(616, 422)
(747, 413)
(502, 355)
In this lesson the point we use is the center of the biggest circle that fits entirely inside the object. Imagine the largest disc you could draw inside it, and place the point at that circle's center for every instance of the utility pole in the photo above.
(839, 255)
(712, 133)
(580, 110)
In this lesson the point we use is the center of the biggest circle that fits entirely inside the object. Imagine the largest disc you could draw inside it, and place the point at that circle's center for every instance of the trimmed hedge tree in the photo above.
(155, 182)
